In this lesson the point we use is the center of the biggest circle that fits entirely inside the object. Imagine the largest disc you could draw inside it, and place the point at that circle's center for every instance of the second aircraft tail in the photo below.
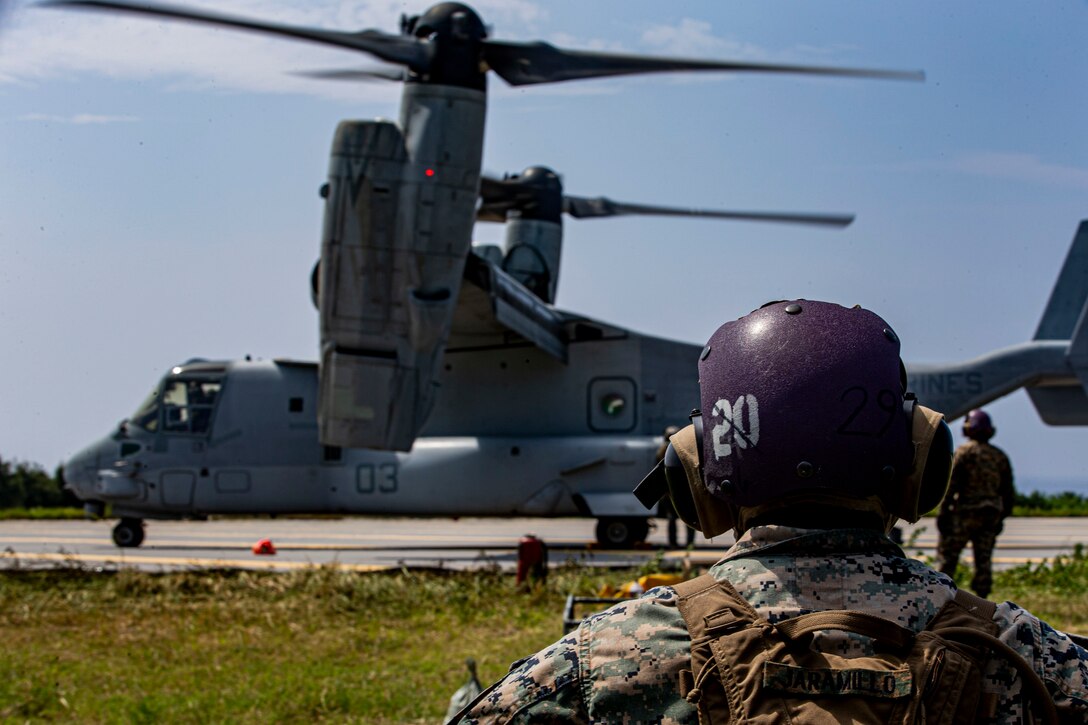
(1065, 402)
(1053, 367)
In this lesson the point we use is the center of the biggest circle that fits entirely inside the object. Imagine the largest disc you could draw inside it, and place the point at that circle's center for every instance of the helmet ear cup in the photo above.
(714, 516)
(679, 490)
(925, 486)
(683, 464)
(675, 476)
(937, 471)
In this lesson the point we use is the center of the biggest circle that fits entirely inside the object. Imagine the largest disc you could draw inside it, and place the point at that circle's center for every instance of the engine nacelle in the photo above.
(532, 250)
(398, 225)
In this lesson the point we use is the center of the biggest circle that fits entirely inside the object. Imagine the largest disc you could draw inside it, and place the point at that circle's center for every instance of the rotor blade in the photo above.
(527, 63)
(492, 189)
(586, 208)
(388, 47)
(494, 210)
(490, 214)
(348, 74)
(499, 196)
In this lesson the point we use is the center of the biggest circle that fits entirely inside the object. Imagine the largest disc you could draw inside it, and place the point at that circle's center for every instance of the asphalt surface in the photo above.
(372, 543)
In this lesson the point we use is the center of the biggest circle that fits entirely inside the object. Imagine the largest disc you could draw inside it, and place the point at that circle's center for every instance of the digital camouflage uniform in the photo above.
(979, 498)
(622, 665)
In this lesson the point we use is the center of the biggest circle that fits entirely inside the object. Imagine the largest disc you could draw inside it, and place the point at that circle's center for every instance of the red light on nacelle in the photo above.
(429, 172)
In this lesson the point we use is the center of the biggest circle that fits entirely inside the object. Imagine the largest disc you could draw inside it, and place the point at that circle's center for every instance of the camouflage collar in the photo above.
(787, 539)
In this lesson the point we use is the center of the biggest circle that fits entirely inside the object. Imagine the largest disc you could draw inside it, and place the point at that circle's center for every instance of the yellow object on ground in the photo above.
(642, 584)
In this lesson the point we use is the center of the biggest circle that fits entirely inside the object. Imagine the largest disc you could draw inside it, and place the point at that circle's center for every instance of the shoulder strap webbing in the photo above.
(709, 607)
(706, 603)
(870, 625)
(689, 587)
(981, 634)
(984, 609)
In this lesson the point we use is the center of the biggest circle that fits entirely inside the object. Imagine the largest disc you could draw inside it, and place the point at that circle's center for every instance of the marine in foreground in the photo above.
(809, 447)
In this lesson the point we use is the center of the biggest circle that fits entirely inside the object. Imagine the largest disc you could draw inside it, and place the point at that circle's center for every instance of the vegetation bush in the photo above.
(1050, 504)
(26, 485)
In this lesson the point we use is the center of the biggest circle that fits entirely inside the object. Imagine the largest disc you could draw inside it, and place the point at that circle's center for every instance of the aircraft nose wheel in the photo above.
(129, 533)
(621, 532)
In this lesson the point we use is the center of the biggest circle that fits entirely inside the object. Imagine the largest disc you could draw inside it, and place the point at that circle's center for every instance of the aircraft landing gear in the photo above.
(128, 533)
(621, 532)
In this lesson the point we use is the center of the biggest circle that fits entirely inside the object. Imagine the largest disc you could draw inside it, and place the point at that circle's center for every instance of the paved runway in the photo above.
(372, 543)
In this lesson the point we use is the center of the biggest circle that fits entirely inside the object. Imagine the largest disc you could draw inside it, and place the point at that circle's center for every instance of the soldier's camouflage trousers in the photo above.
(980, 527)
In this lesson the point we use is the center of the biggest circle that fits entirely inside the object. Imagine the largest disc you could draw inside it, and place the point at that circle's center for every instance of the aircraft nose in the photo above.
(81, 470)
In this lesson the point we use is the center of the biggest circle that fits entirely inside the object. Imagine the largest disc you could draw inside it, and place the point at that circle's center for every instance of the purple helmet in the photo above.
(978, 426)
(800, 396)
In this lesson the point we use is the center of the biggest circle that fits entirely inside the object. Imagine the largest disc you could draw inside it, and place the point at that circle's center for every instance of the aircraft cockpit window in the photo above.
(188, 405)
(147, 415)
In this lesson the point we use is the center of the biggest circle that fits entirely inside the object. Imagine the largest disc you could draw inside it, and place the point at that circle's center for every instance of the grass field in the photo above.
(40, 512)
(314, 645)
(317, 645)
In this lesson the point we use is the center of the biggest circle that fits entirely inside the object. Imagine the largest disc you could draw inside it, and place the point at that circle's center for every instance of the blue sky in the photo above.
(158, 184)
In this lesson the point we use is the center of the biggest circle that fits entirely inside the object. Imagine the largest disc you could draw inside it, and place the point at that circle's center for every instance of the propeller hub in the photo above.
(453, 21)
(457, 35)
(542, 196)
(540, 177)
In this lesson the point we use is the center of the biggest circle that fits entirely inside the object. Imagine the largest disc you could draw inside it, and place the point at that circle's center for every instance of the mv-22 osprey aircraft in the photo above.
(516, 432)
(240, 436)
(397, 323)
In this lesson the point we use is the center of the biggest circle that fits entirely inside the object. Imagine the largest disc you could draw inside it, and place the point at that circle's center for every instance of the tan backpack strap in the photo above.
(870, 625)
(707, 603)
(981, 608)
(1035, 688)
(691, 586)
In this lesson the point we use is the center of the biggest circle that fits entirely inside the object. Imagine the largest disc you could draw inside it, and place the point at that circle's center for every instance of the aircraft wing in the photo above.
(494, 309)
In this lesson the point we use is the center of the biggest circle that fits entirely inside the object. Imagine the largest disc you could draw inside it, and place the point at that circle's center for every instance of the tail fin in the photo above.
(1070, 292)
(1066, 318)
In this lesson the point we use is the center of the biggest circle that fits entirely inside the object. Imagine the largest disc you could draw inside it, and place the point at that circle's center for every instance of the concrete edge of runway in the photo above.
(15, 561)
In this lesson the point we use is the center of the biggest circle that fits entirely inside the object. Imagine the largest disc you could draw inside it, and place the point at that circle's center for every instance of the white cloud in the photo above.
(509, 18)
(43, 44)
(1020, 167)
(569, 41)
(78, 118)
(1009, 165)
(694, 38)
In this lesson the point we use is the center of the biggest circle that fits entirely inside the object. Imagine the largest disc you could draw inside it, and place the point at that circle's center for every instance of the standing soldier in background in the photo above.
(666, 507)
(979, 499)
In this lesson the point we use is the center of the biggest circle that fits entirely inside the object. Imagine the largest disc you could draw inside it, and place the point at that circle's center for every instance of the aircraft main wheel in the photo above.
(621, 532)
(129, 533)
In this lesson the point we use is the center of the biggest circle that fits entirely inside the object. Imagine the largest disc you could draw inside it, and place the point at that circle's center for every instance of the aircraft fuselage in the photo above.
(516, 433)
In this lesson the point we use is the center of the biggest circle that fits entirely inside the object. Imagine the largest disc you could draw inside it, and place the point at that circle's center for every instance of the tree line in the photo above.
(26, 485)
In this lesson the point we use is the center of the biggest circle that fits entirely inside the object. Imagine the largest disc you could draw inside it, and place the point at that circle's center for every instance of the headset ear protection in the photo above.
(926, 484)
(679, 475)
